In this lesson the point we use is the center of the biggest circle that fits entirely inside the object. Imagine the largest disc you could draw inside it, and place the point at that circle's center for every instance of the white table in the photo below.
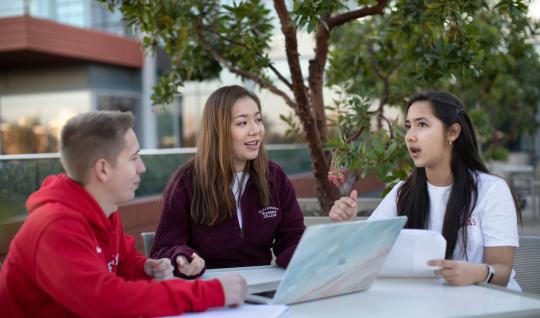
(404, 297)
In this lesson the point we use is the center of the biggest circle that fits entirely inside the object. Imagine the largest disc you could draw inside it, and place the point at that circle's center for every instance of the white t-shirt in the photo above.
(493, 221)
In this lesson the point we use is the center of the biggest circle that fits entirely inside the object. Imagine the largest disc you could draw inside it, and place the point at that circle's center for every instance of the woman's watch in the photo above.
(490, 274)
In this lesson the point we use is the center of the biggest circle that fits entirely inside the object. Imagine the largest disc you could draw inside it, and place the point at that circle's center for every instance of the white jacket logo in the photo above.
(113, 263)
(269, 212)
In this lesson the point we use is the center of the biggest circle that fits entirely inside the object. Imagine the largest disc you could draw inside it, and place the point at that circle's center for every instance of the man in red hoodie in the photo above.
(71, 256)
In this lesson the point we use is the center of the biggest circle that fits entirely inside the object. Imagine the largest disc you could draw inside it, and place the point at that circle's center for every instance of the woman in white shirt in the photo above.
(449, 190)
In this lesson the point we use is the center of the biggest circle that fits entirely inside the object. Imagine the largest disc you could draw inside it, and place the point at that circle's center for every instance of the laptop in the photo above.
(333, 259)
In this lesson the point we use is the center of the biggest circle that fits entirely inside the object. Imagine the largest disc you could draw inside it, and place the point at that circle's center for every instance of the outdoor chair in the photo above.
(525, 185)
(526, 264)
(148, 240)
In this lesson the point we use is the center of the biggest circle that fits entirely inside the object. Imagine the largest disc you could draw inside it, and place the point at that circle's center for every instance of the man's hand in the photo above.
(187, 268)
(345, 208)
(159, 269)
(460, 273)
(234, 288)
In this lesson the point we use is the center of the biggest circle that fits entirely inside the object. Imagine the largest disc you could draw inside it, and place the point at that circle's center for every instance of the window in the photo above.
(32, 123)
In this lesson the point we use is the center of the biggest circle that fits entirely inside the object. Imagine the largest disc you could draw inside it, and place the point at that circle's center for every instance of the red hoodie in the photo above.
(68, 259)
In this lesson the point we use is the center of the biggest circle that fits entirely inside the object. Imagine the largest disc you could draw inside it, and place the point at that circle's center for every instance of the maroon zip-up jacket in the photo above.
(278, 226)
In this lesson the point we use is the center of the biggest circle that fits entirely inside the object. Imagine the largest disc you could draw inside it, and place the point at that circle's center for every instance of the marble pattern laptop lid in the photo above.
(338, 258)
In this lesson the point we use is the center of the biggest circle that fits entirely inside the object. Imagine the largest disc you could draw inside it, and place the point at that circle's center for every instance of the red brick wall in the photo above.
(304, 185)
(141, 215)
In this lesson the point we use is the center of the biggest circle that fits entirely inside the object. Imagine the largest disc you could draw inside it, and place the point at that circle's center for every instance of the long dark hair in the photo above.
(213, 165)
(413, 198)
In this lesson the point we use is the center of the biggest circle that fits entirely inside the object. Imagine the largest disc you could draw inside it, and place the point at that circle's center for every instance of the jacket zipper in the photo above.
(243, 220)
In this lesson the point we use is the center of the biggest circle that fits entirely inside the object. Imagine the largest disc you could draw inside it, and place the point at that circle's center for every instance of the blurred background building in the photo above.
(62, 57)
(59, 58)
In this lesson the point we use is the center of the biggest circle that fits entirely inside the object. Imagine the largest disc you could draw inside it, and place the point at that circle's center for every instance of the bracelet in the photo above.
(490, 273)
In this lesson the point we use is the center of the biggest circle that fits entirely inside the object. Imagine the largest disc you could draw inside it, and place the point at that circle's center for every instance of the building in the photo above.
(62, 57)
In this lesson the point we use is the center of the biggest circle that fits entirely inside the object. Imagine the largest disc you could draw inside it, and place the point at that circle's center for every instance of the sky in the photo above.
(534, 9)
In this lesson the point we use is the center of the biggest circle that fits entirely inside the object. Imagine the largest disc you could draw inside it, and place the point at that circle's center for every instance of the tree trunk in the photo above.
(316, 73)
(327, 193)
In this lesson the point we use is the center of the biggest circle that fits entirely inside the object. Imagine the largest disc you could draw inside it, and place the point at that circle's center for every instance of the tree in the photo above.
(505, 97)
(498, 82)
(204, 36)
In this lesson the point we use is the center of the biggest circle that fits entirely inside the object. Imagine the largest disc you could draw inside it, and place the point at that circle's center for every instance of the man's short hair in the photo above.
(88, 137)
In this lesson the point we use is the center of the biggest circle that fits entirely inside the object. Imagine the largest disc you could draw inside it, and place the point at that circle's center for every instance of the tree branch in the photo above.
(246, 74)
(397, 97)
(389, 125)
(270, 66)
(373, 61)
(315, 78)
(291, 46)
(386, 87)
(355, 135)
(280, 76)
(327, 193)
(353, 15)
(384, 78)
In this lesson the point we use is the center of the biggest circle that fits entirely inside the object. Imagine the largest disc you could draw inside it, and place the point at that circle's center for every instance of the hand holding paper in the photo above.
(411, 253)
(460, 273)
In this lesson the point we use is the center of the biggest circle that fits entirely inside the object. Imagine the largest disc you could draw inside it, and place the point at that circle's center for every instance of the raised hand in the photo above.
(345, 208)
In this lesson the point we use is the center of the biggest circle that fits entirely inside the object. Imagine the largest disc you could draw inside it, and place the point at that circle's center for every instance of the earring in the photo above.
(450, 142)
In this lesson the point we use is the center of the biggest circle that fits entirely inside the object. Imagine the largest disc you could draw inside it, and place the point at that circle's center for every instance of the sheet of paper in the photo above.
(411, 252)
(243, 311)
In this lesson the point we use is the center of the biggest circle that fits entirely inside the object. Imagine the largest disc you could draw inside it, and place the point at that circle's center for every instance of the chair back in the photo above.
(527, 263)
(148, 240)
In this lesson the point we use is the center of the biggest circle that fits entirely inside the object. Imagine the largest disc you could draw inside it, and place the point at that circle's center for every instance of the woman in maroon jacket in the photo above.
(229, 206)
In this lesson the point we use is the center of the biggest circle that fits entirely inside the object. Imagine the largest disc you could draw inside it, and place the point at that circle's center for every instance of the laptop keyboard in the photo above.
(269, 294)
